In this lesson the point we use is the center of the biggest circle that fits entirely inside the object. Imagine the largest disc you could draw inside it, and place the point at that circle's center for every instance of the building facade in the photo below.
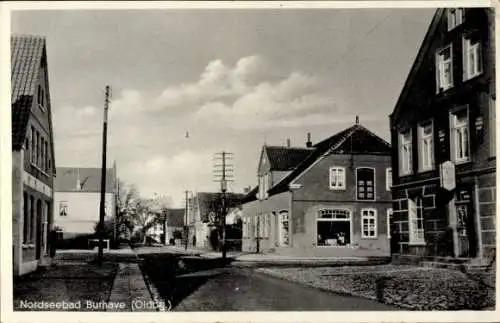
(443, 139)
(77, 197)
(203, 217)
(32, 154)
(330, 199)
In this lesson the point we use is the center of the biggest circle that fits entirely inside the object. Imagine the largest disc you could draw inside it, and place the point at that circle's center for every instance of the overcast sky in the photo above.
(233, 79)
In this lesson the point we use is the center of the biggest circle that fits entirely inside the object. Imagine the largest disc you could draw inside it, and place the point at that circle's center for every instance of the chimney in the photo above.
(288, 142)
(308, 143)
(357, 119)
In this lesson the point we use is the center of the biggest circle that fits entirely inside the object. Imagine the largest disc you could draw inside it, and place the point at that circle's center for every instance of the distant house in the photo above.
(328, 199)
(444, 147)
(33, 162)
(77, 199)
(175, 223)
(204, 215)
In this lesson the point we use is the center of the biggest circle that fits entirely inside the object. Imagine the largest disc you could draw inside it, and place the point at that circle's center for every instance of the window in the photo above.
(42, 153)
(365, 187)
(38, 149)
(265, 224)
(26, 218)
(334, 227)
(283, 228)
(426, 146)
(41, 97)
(46, 156)
(472, 56)
(493, 132)
(261, 187)
(388, 178)
(33, 145)
(444, 69)
(368, 223)
(455, 17)
(63, 208)
(416, 221)
(337, 178)
(459, 138)
(405, 153)
(389, 219)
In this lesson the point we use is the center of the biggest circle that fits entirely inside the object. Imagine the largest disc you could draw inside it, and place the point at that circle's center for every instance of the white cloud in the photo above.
(171, 176)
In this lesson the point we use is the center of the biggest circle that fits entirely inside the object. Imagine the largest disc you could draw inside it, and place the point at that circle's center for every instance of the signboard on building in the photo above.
(447, 175)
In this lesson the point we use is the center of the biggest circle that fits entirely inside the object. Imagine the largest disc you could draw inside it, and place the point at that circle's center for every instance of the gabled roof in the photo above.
(175, 217)
(250, 196)
(353, 140)
(89, 178)
(419, 59)
(206, 200)
(285, 158)
(26, 54)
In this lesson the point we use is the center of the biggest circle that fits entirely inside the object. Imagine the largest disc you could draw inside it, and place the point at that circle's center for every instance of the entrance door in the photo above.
(466, 231)
(39, 236)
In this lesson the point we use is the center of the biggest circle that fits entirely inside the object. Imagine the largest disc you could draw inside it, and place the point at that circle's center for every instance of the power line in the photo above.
(365, 34)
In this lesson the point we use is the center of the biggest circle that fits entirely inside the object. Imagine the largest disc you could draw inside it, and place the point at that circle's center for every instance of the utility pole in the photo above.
(103, 174)
(223, 173)
(186, 228)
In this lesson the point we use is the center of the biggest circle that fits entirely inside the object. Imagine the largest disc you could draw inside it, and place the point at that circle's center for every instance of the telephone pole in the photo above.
(186, 228)
(103, 174)
(224, 172)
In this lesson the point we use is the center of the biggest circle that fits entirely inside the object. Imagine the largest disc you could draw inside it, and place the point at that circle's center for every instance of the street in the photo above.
(211, 285)
(242, 289)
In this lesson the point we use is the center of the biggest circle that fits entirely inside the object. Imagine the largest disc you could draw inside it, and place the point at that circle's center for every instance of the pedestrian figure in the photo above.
(52, 243)
(194, 241)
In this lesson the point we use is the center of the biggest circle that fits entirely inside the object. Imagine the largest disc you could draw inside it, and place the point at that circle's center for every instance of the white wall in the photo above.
(83, 211)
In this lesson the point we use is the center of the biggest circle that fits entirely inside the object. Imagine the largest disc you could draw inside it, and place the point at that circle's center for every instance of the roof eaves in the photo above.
(418, 60)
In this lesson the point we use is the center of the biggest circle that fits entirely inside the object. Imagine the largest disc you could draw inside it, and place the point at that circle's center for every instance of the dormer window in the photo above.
(444, 69)
(41, 97)
(455, 17)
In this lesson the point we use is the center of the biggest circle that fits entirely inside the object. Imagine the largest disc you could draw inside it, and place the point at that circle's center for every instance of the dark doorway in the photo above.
(38, 235)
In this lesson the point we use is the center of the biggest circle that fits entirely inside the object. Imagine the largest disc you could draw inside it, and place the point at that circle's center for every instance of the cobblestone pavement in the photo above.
(416, 288)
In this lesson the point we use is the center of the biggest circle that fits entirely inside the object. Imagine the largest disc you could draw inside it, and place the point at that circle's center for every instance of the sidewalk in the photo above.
(75, 282)
(248, 259)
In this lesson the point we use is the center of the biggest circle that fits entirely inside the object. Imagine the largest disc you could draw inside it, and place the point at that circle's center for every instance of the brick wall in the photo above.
(487, 211)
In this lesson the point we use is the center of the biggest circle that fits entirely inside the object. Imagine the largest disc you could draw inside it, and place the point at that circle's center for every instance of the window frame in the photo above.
(439, 63)
(337, 169)
(388, 178)
(414, 238)
(453, 139)
(421, 138)
(492, 126)
(449, 14)
(402, 144)
(281, 220)
(333, 219)
(368, 217)
(466, 46)
(365, 185)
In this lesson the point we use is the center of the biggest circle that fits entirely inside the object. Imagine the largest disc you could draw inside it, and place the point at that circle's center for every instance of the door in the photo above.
(466, 231)
(39, 234)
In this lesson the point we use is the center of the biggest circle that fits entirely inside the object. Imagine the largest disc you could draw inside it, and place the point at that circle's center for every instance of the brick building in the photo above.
(328, 199)
(443, 139)
(32, 153)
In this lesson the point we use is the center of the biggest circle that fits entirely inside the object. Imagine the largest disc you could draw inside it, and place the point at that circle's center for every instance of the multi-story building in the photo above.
(32, 153)
(77, 196)
(443, 139)
(327, 199)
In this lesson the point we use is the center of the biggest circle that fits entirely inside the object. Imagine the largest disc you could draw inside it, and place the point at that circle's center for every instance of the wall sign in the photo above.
(447, 175)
